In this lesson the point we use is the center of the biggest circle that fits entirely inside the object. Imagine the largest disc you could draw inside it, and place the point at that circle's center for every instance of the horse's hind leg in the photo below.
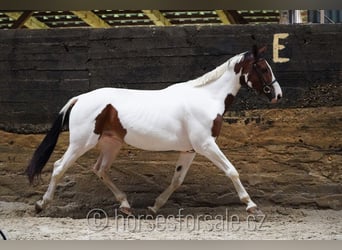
(183, 164)
(60, 167)
(109, 149)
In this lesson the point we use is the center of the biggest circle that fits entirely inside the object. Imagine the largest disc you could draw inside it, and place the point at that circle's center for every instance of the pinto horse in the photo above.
(185, 117)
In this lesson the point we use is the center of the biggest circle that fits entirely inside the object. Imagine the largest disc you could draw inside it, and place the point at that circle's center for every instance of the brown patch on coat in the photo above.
(217, 125)
(108, 123)
(245, 64)
(228, 102)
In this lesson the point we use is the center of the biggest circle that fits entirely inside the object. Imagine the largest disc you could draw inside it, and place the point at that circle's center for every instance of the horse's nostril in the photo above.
(279, 97)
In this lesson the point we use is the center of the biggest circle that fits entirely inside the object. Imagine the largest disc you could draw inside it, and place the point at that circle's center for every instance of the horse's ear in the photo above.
(258, 52)
(244, 64)
(262, 50)
(255, 51)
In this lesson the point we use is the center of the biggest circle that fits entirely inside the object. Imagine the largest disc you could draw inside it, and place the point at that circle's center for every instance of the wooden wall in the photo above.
(42, 69)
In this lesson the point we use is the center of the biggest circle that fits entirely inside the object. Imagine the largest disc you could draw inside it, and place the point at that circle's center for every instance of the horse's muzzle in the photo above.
(277, 99)
(277, 94)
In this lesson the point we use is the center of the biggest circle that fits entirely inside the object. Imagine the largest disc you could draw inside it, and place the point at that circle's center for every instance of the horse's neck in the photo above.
(223, 80)
(227, 83)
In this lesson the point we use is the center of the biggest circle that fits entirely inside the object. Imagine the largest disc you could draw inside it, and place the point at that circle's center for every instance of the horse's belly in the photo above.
(158, 141)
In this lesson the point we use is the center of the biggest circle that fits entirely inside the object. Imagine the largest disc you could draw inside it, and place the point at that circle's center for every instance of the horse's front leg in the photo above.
(210, 150)
(183, 164)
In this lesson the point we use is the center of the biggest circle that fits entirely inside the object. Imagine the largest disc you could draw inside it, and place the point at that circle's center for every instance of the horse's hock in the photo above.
(287, 154)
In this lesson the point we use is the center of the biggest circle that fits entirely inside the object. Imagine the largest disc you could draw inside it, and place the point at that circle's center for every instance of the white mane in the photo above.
(216, 73)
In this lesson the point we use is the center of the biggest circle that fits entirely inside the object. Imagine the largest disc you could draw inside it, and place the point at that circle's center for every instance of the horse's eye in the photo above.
(267, 89)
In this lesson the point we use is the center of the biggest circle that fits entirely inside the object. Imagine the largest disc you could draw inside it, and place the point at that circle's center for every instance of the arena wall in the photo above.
(42, 69)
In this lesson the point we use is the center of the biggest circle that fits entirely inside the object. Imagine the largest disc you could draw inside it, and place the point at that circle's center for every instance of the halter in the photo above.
(266, 87)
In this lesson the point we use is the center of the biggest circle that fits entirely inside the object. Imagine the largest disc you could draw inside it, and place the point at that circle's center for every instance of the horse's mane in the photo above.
(216, 73)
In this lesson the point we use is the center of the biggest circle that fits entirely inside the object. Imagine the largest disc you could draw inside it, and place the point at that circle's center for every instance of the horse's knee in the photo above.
(57, 163)
(233, 174)
(57, 173)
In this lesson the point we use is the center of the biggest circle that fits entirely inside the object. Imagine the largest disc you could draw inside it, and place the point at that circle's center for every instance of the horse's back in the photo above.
(154, 120)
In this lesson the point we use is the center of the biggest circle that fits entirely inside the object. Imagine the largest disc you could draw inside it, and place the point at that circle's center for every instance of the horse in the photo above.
(186, 117)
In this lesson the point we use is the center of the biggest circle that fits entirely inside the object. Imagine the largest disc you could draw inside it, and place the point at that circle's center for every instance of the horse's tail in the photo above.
(46, 147)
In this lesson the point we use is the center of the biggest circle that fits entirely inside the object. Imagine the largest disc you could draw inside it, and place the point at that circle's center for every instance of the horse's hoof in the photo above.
(256, 213)
(254, 210)
(38, 207)
(126, 210)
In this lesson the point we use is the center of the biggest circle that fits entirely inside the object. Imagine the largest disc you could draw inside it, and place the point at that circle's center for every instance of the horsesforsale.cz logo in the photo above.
(98, 220)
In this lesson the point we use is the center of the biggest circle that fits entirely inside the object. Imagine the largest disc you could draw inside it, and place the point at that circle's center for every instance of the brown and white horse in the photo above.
(185, 117)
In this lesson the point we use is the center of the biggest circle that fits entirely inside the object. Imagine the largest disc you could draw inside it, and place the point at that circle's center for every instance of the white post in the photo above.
(297, 17)
(322, 16)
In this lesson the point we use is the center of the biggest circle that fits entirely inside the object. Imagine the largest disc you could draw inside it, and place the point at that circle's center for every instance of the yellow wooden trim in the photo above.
(91, 19)
(223, 17)
(157, 17)
(31, 23)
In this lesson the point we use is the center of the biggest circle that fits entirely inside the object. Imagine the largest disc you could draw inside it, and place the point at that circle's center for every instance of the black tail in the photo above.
(46, 147)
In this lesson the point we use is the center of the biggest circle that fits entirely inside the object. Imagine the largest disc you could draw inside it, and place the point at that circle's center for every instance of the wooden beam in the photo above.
(157, 17)
(235, 17)
(91, 19)
(31, 22)
(223, 16)
(22, 19)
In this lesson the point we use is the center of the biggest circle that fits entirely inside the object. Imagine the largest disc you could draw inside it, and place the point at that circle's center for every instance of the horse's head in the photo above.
(257, 74)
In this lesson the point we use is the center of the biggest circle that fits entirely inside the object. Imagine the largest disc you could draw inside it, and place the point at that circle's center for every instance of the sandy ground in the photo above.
(19, 222)
(293, 174)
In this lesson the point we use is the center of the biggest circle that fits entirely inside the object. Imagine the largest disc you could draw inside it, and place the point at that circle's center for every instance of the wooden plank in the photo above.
(157, 17)
(236, 17)
(223, 17)
(91, 19)
(31, 23)
(22, 19)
